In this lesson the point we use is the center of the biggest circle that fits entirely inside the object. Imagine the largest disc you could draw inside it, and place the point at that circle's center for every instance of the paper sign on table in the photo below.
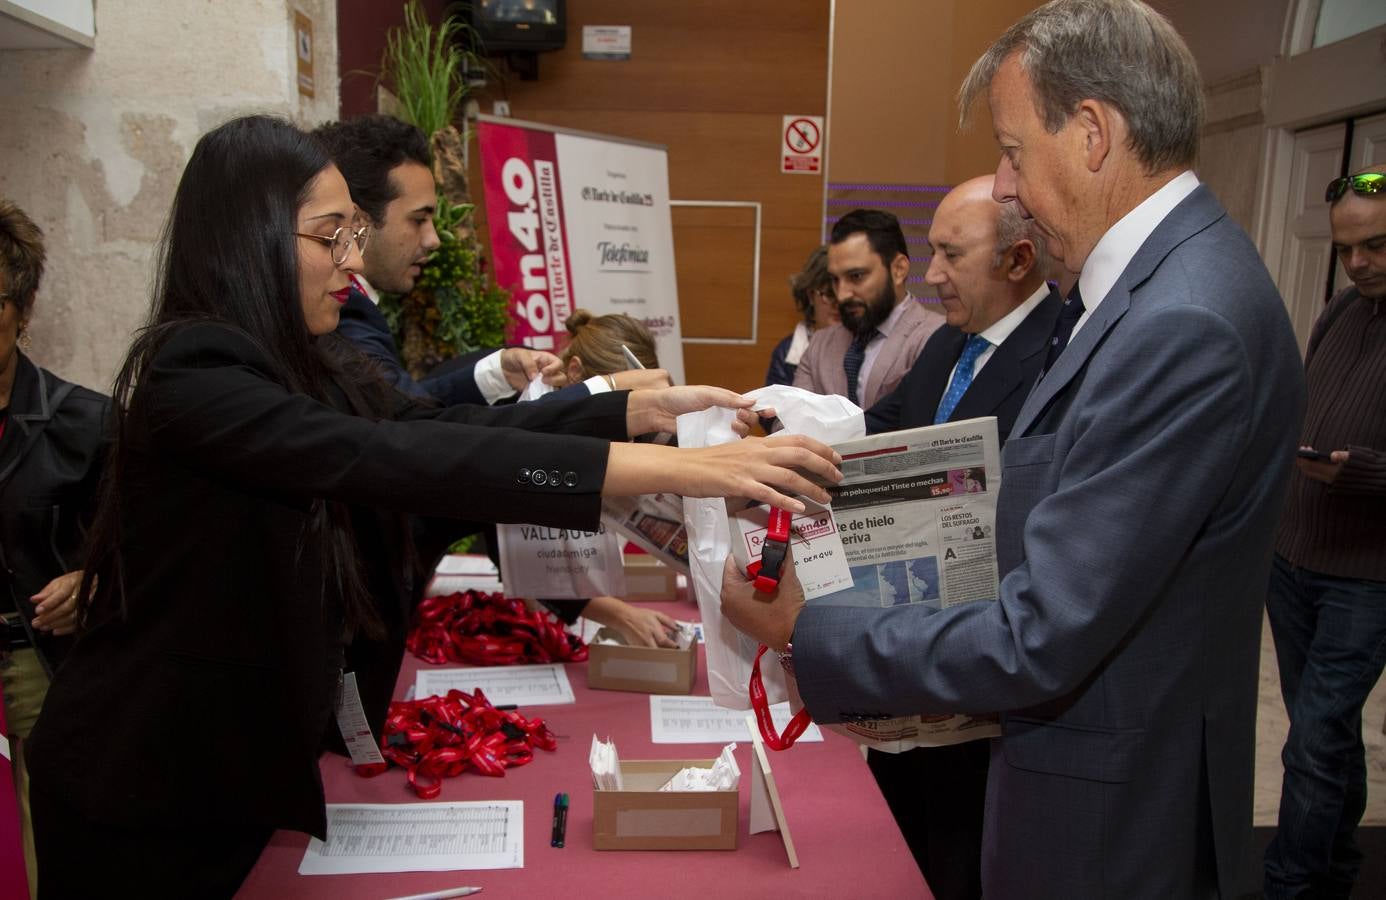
(767, 814)
(519, 685)
(464, 572)
(418, 837)
(697, 720)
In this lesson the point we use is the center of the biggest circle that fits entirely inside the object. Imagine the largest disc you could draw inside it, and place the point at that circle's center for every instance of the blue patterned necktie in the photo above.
(962, 377)
(1069, 314)
(851, 363)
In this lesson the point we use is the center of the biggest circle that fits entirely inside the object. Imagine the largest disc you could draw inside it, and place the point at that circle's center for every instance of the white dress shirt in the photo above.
(1118, 246)
(488, 372)
(1002, 328)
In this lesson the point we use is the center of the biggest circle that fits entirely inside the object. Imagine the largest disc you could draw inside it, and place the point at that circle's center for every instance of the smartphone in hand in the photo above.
(1309, 453)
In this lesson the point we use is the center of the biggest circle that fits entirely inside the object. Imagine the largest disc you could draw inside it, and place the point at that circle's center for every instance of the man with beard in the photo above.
(883, 326)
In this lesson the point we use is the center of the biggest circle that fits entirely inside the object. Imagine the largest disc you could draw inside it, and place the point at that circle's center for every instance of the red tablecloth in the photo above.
(847, 842)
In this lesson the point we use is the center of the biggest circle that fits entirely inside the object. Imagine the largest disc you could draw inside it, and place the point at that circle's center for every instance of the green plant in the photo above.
(453, 307)
(426, 66)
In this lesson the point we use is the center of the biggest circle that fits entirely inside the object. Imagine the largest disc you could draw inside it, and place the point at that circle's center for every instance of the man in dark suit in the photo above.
(988, 269)
(1142, 483)
(387, 166)
(883, 326)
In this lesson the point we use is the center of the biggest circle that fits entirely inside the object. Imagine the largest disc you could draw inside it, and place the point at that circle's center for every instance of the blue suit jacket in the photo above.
(998, 390)
(1141, 487)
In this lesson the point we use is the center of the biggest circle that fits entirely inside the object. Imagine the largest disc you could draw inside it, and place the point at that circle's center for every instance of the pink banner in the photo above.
(14, 879)
(524, 208)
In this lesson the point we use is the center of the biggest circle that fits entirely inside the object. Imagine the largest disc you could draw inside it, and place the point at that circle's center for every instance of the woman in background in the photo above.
(52, 443)
(594, 348)
(222, 577)
(813, 296)
(594, 345)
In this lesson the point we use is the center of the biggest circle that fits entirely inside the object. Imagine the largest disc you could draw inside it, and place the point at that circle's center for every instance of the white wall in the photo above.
(94, 141)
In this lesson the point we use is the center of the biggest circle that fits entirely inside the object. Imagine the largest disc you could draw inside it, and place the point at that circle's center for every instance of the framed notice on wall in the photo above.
(580, 220)
(303, 52)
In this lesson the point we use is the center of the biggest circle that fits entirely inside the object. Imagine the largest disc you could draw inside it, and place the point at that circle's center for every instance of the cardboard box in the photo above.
(646, 670)
(649, 580)
(642, 817)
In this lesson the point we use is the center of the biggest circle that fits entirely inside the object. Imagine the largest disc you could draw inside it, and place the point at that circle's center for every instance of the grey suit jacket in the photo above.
(820, 368)
(1141, 486)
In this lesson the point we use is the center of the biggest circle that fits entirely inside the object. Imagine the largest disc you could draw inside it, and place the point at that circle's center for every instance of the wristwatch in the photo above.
(787, 659)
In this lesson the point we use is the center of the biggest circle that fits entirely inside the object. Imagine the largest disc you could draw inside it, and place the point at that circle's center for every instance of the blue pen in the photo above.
(560, 821)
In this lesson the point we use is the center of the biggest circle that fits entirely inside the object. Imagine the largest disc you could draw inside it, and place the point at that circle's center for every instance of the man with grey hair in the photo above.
(1142, 483)
(988, 268)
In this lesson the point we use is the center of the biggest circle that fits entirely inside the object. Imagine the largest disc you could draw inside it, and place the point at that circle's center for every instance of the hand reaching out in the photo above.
(649, 411)
(520, 365)
(638, 626)
(766, 470)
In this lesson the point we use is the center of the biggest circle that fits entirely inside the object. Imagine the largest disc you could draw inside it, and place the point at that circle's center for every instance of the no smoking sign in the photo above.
(801, 145)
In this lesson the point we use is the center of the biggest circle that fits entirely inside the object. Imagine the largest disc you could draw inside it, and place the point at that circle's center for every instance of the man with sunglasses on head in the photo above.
(1327, 595)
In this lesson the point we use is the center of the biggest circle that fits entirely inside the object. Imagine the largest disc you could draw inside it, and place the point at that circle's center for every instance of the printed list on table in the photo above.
(697, 720)
(521, 685)
(418, 837)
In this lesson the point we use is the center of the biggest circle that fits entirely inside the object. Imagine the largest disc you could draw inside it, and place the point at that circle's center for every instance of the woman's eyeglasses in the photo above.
(1363, 185)
(340, 240)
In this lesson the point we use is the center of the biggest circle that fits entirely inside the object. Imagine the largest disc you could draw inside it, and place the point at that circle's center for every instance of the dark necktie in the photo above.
(1069, 314)
(962, 377)
(851, 363)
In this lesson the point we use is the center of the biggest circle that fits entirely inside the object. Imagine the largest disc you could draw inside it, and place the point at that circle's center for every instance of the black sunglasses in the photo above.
(1362, 185)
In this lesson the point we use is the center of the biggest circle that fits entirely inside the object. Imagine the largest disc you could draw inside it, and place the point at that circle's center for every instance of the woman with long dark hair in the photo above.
(222, 575)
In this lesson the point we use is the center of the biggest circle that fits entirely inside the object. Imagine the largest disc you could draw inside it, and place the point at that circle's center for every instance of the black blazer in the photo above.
(211, 698)
(50, 463)
(363, 324)
(998, 390)
(450, 382)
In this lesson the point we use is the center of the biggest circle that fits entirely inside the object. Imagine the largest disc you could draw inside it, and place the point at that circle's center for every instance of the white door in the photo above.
(1307, 255)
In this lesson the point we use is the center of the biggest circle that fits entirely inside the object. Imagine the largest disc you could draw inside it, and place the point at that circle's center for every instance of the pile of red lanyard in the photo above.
(489, 630)
(442, 737)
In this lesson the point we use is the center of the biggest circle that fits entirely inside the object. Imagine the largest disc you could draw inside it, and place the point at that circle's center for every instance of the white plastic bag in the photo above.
(729, 652)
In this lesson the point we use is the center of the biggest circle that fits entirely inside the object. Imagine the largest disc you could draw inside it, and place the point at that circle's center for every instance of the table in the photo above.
(848, 844)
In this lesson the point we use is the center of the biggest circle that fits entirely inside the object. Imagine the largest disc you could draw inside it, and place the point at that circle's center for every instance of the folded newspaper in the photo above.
(653, 522)
(914, 520)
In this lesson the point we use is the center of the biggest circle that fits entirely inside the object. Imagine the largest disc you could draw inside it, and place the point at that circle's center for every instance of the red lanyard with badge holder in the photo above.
(766, 573)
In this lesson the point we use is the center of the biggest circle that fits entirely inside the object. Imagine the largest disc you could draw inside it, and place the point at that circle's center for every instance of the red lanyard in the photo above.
(441, 737)
(759, 703)
(766, 570)
(489, 630)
